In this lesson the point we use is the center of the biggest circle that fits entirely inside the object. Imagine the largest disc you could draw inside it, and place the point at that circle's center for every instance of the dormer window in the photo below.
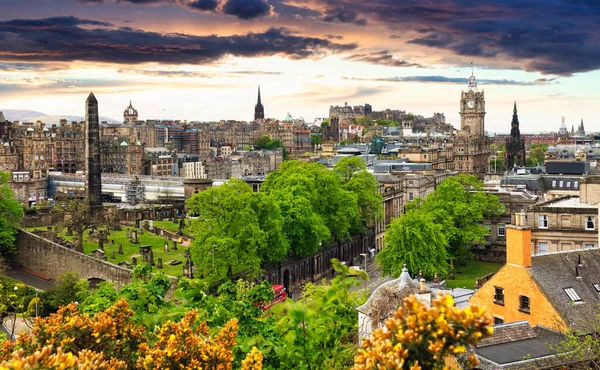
(572, 294)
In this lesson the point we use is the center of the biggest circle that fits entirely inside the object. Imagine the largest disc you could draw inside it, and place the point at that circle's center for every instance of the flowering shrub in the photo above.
(419, 337)
(112, 340)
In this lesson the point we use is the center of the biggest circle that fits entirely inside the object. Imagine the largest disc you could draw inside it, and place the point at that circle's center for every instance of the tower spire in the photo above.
(515, 108)
(472, 72)
(258, 102)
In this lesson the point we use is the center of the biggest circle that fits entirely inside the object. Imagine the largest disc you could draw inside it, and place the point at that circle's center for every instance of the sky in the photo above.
(202, 60)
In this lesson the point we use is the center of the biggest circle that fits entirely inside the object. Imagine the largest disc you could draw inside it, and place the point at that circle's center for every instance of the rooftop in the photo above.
(567, 202)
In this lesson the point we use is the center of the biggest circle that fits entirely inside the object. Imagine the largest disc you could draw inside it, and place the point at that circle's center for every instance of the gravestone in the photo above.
(128, 233)
(134, 261)
(101, 243)
(120, 248)
(159, 263)
(137, 223)
(174, 245)
(151, 224)
(134, 238)
(112, 242)
(151, 258)
(113, 255)
(146, 225)
(166, 246)
(145, 249)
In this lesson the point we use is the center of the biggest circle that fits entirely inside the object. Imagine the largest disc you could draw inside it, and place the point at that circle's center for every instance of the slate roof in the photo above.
(519, 346)
(556, 271)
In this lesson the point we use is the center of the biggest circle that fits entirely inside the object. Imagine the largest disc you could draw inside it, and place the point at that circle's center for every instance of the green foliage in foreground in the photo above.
(315, 332)
(11, 213)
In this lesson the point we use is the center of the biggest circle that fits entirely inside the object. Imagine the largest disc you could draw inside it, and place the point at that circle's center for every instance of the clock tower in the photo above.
(472, 109)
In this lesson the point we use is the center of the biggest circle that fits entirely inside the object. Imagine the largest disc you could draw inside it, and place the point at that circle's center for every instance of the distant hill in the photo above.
(33, 116)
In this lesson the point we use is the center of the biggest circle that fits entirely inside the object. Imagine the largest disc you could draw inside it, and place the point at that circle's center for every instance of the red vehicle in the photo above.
(280, 295)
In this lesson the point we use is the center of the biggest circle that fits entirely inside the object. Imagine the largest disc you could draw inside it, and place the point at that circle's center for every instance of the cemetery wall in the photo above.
(50, 259)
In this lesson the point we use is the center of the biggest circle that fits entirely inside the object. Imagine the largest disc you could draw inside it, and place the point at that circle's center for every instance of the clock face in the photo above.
(470, 104)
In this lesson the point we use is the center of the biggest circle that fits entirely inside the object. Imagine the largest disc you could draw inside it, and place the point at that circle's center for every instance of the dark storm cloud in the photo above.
(246, 9)
(453, 80)
(550, 36)
(382, 58)
(62, 39)
(339, 12)
(202, 5)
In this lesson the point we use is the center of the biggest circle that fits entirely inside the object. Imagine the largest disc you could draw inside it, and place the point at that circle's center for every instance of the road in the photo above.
(29, 279)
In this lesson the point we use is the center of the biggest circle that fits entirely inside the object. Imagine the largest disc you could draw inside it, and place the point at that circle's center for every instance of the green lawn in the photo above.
(132, 250)
(171, 226)
(465, 276)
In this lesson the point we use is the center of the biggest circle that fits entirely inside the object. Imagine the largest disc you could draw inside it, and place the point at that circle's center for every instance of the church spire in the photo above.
(515, 108)
(259, 110)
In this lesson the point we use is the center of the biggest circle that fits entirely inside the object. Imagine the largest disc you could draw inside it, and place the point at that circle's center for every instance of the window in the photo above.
(498, 320)
(568, 184)
(553, 183)
(589, 246)
(488, 227)
(542, 247)
(589, 222)
(572, 294)
(501, 230)
(560, 184)
(499, 296)
(576, 184)
(524, 303)
(543, 221)
(411, 196)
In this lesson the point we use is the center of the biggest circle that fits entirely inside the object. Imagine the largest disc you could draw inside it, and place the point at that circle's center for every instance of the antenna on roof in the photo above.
(472, 69)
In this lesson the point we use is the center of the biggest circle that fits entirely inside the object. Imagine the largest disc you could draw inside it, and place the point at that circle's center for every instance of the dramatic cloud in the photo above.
(63, 39)
(202, 5)
(550, 36)
(382, 58)
(343, 14)
(246, 9)
(453, 80)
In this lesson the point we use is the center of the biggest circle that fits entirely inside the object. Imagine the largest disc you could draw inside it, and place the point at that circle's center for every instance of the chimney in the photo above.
(518, 245)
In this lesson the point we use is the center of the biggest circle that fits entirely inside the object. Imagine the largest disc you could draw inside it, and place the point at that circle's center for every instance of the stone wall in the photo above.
(293, 271)
(50, 259)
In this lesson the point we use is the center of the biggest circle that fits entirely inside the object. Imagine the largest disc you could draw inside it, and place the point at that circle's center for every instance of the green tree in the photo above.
(315, 140)
(416, 240)
(237, 231)
(261, 142)
(69, 288)
(11, 213)
(459, 204)
(77, 217)
(314, 204)
(537, 154)
(354, 176)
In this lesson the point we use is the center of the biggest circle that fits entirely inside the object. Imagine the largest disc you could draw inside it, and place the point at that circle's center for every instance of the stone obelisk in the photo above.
(93, 179)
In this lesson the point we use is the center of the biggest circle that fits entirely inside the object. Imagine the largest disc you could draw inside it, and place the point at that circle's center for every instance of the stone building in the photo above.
(130, 115)
(162, 162)
(471, 145)
(119, 156)
(555, 290)
(515, 145)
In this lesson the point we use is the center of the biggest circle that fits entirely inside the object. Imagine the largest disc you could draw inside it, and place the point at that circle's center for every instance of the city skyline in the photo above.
(203, 59)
